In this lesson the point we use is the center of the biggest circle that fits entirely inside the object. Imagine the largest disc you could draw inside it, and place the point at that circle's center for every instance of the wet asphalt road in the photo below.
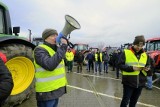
(90, 90)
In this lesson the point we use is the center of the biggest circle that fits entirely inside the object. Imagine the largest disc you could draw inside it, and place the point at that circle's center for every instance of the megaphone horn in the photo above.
(70, 25)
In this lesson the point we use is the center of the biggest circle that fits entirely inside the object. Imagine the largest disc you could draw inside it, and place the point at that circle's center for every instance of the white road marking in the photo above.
(107, 78)
(97, 76)
(140, 103)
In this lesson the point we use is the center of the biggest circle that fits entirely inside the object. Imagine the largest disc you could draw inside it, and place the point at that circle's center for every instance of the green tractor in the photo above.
(20, 61)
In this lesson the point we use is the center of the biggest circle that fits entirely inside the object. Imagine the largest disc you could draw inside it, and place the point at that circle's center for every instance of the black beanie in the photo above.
(139, 39)
(47, 32)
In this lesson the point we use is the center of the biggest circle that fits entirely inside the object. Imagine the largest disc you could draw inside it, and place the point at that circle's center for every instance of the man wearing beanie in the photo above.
(134, 64)
(50, 69)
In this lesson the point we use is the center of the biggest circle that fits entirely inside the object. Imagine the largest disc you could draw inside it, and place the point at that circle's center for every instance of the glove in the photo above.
(58, 39)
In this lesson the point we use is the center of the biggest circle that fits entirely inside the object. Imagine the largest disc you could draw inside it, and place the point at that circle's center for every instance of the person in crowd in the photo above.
(90, 59)
(149, 75)
(87, 66)
(111, 59)
(117, 56)
(98, 62)
(105, 58)
(80, 59)
(50, 77)
(6, 81)
(114, 56)
(134, 64)
(69, 58)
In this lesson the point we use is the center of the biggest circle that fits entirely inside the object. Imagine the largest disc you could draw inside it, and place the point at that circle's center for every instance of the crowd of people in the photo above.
(97, 61)
(100, 61)
(50, 78)
(135, 65)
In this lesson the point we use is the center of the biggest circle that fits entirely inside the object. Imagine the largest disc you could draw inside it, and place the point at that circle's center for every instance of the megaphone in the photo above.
(70, 25)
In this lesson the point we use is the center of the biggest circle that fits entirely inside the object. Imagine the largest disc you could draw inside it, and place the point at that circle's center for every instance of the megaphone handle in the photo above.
(68, 36)
(70, 44)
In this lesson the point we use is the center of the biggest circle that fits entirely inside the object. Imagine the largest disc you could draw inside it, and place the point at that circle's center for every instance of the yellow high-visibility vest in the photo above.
(69, 56)
(132, 60)
(96, 57)
(49, 80)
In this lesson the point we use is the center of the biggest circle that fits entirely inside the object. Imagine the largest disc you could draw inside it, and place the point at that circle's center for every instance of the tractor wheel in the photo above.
(20, 64)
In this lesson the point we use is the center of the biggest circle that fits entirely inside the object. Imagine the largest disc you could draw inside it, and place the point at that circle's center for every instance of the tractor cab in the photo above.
(153, 49)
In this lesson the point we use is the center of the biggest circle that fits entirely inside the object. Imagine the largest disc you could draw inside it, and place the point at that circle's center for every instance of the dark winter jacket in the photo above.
(132, 80)
(6, 82)
(105, 57)
(43, 58)
(152, 63)
(117, 56)
(80, 57)
(90, 57)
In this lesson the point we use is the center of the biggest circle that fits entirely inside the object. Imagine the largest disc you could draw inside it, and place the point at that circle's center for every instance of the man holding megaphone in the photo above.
(50, 77)
(50, 69)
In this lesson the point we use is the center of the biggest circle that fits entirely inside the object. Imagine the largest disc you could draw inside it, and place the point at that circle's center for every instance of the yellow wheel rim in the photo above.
(22, 70)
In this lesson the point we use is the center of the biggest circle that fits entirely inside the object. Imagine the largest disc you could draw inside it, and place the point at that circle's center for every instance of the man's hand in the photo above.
(63, 41)
(137, 68)
(146, 68)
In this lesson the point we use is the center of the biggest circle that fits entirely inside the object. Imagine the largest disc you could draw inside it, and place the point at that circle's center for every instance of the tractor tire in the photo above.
(20, 64)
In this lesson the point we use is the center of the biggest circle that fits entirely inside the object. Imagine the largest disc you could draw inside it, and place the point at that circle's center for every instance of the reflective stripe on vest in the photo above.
(131, 60)
(49, 80)
(96, 57)
(42, 69)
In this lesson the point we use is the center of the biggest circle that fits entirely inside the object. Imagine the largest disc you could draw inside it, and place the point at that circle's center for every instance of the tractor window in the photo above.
(37, 41)
(152, 46)
(157, 45)
(81, 47)
(75, 47)
(1, 21)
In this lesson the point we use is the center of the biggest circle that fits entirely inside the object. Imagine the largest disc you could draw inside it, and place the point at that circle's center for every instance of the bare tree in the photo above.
(101, 45)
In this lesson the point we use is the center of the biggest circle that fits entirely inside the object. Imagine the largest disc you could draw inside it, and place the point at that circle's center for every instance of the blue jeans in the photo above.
(99, 66)
(149, 82)
(105, 65)
(49, 103)
(130, 95)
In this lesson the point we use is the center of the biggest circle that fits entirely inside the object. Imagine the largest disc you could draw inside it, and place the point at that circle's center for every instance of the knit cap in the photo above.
(47, 32)
(139, 40)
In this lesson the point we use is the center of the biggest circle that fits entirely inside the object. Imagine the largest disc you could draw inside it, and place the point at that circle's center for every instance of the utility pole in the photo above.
(30, 33)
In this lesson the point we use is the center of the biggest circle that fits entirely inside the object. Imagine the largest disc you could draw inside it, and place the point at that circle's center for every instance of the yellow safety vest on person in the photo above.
(49, 80)
(132, 60)
(69, 56)
(96, 57)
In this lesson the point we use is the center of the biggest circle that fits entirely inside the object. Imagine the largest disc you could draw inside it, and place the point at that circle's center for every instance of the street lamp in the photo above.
(30, 33)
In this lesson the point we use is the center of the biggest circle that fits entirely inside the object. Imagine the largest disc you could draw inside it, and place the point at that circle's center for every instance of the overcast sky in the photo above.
(112, 22)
